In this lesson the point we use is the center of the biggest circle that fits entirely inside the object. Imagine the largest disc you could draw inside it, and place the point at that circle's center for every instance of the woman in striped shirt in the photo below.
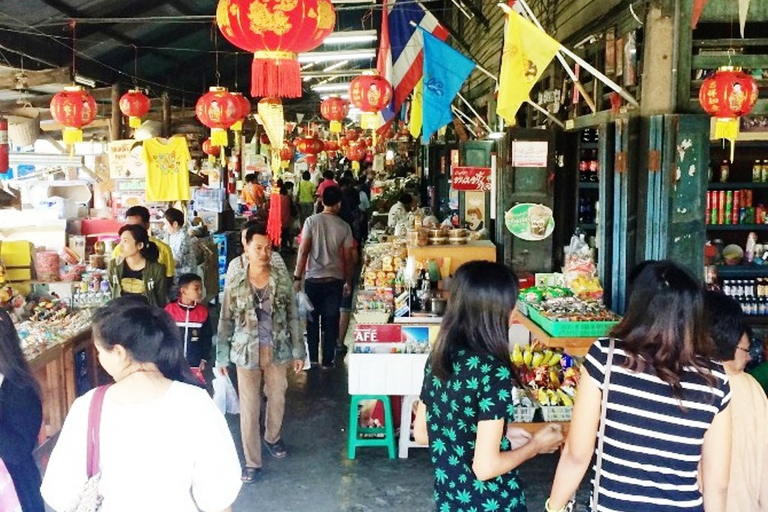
(667, 429)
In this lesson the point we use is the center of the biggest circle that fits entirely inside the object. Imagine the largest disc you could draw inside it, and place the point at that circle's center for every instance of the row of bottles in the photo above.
(752, 294)
(588, 210)
(723, 172)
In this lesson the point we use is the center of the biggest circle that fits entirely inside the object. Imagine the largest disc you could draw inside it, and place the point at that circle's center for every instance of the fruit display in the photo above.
(573, 309)
(549, 375)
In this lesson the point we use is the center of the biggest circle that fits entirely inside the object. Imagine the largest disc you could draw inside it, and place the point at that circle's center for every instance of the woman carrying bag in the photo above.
(660, 403)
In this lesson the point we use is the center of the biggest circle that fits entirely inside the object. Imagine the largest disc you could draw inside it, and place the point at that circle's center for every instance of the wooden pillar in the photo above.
(116, 122)
(166, 115)
(658, 86)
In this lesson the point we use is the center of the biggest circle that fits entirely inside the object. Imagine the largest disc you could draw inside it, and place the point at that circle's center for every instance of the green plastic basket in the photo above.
(567, 329)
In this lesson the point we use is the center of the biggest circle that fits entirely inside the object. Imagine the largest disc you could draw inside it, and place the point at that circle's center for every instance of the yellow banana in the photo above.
(527, 357)
(554, 379)
(517, 355)
(536, 359)
(542, 396)
(555, 359)
(547, 357)
(554, 399)
(564, 398)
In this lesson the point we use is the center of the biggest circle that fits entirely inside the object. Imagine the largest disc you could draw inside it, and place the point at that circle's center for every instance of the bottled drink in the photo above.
(764, 173)
(757, 172)
(725, 171)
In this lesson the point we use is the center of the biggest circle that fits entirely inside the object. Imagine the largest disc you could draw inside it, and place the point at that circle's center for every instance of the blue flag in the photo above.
(445, 70)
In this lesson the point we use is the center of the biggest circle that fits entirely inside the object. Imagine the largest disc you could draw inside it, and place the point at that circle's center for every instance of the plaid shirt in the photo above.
(238, 336)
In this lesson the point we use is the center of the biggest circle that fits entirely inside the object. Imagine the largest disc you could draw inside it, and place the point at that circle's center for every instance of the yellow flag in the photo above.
(528, 51)
(417, 107)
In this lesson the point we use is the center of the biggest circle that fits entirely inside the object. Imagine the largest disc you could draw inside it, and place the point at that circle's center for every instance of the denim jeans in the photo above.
(325, 298)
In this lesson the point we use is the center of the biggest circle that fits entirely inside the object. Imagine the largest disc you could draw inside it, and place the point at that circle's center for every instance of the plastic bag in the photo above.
(224, 394)
(305, 306)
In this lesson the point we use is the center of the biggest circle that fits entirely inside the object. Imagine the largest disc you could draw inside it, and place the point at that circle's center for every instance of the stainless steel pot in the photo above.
(437, 305)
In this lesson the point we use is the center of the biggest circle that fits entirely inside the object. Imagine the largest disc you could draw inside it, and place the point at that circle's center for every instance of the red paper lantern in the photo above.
(211, 150)
(335, 110)
(370, 93)
(355, 153)
(352, 135)
(286, 155)
(331, 145)
(311, 160)
(73, 108)
(275, 31)
(311, 146)
(361, 143)
(727, 95)
(218, 109)
(134, 104)
(343, 142)
(244, 108)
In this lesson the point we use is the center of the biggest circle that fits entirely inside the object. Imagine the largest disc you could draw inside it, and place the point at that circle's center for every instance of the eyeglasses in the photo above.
(744, 349)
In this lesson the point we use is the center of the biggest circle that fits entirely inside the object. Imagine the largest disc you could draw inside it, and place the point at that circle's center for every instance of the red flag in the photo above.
(698, 6)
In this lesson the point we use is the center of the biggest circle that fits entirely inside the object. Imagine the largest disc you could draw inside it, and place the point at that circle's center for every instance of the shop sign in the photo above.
(530, 153)
(378, 333)
(125, 160)
(530, 221)
(476, 179)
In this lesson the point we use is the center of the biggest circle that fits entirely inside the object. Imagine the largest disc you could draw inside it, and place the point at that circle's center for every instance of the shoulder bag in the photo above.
(89, 499)
(601, 431)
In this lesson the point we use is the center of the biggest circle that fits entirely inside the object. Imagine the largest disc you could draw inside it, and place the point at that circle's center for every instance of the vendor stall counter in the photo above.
(459, 254)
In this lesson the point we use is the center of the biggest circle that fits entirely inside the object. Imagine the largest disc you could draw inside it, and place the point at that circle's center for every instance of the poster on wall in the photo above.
(529, 221)
(125, 159)
(529, 153)
(474, 210)
(471, 178)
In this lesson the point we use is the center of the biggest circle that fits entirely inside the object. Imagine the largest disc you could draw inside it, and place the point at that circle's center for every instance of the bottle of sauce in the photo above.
(725, 171)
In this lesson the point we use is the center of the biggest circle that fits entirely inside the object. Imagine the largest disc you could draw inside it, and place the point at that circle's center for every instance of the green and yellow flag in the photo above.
(528, 51)
(417, 109)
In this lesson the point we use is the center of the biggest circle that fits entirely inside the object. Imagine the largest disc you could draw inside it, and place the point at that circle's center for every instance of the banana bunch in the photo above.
(553, 397)
(534, 357)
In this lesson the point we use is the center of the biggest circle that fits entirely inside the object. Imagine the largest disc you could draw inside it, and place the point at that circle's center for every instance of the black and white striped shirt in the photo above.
(653, 445)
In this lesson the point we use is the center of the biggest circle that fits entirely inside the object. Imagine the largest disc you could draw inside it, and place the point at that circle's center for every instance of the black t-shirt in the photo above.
(132, 281)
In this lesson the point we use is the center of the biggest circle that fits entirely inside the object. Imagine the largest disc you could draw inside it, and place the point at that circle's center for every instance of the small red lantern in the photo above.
(218, 109)
(727, 95)
(355, 154)
(311, 146)
(361, 143)
(244, 108)
(335, 110)
(134, 104)
(275, 32)
(286, 155)
(343, 142)
(331, 145)
(352, 135)
(211, 150)
(370, 93)
(73, 108)
(311, 160)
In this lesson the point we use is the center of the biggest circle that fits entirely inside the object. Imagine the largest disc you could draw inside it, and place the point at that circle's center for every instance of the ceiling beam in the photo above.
(130, 10)
(38, 78)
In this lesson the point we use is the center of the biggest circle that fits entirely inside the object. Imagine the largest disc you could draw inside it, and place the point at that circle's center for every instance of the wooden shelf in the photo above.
(736, 227)
(741, 271)
(574, 346)
(737, 185)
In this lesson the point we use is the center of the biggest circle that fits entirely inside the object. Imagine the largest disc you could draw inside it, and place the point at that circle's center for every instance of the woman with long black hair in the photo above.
(163, 443)
(21, 414)
(467, 397)
(138, 272)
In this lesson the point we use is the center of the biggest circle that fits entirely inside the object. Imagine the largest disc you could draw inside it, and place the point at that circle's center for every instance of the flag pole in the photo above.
(458, 111)
(472, 109)
(576, 82)
(586, 65)
(460, 118)
(546, 113)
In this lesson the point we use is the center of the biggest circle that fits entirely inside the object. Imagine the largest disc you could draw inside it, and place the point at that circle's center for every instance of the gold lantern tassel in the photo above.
(237, 127)
(72, 135)
(369, 121)
(219, 137)
(355, 166)
(727, 128)
(134, 122)
(335, 127)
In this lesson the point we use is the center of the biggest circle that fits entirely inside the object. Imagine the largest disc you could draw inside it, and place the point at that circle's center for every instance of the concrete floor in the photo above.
(318, 476)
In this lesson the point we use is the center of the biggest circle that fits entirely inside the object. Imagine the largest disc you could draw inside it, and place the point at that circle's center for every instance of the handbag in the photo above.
(89, 499)
(601, 431)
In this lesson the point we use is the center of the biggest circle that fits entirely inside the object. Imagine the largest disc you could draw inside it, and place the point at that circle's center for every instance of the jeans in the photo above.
(275, 379)
(325, 298)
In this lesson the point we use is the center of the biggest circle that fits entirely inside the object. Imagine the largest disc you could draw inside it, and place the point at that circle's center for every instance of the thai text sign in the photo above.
(471, 178)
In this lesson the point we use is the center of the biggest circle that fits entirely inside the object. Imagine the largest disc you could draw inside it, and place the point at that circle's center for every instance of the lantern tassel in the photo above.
(134, 122)
(72, 135)
(727, 128)
(219, 137)
(237, 127)
(275, 77)
(274, 218)
(335, 127)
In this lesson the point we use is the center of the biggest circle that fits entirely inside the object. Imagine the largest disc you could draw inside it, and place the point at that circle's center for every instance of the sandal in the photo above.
(276, 449)
(250, 475)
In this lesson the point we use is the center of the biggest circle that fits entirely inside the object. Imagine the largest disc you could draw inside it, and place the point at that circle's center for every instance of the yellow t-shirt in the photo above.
(165, 258)
(167, 171)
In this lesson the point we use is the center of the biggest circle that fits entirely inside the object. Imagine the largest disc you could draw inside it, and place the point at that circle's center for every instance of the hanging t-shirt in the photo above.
(132, 281)
(167, 171)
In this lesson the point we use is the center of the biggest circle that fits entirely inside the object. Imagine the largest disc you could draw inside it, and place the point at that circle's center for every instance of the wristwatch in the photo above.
(296, 278)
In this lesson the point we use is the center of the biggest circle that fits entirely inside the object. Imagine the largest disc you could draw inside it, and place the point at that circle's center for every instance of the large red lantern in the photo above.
(73, 108)
(134, 104)
(311, 145)
(370, 93)
(218, 109)
(335, 110)
(355, 153)
(276, 31)
(727, 95)
(352, 135)
(244, 108)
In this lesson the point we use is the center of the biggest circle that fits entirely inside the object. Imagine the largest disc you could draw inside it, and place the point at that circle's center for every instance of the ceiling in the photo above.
(166, 46)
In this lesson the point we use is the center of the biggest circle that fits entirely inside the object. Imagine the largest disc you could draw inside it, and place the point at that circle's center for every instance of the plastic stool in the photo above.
(405, 441)
(353, 439)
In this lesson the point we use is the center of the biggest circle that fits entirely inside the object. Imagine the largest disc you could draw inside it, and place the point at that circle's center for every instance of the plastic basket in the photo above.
(524, 414)
(570, 329)
(23, 126)
(372, 317)
(556, 412)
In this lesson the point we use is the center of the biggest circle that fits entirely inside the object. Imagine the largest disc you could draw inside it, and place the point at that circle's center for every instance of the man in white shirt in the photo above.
(399, 211)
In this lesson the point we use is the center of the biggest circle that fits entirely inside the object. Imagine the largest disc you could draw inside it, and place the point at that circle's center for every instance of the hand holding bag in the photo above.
(90, 499)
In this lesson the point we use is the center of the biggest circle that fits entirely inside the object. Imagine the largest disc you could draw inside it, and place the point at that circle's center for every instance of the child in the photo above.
(192, 319)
